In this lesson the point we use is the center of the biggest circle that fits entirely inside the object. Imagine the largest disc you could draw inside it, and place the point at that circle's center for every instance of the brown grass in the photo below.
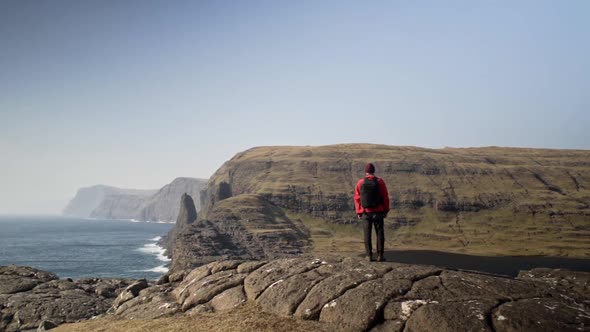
(245, 318)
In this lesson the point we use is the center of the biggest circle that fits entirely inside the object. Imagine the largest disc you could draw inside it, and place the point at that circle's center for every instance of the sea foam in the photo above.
(155, 249)
(158, 269)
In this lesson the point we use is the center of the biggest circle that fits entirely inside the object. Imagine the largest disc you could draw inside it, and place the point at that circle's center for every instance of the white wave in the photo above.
(157, 238)
(135, 220)
(155, 249)
(157, 269)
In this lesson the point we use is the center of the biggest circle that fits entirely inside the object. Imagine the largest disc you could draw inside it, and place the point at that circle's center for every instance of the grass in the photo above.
(244, 318)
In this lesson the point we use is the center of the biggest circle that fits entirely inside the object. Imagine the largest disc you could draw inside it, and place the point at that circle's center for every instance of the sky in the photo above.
(135, 93)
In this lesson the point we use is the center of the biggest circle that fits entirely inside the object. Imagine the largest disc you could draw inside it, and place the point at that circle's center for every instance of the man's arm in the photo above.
(357, 200)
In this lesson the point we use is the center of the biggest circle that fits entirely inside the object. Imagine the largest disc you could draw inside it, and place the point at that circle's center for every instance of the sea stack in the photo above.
(188, 213)
(186, 216)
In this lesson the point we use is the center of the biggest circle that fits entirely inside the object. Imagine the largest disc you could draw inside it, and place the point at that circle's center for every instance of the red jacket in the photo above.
(384, 207)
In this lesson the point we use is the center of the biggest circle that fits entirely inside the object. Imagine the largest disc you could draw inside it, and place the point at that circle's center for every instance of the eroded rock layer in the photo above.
(355, 295)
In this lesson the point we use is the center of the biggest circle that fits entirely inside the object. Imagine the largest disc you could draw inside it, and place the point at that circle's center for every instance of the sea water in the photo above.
(78, 248)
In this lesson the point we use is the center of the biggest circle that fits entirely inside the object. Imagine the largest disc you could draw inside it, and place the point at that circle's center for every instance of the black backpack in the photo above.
(370, 196)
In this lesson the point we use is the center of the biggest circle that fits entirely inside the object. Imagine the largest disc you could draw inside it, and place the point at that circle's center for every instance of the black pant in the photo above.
(375, 219)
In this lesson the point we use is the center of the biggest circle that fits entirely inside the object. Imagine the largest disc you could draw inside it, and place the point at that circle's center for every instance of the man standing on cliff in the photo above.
(371, 201)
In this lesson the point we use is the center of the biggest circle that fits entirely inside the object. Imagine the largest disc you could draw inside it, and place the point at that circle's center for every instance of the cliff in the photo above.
(163, 205)
(88, 199)
(119, 206)
(242, 227)
(147, 205)
(493, 201)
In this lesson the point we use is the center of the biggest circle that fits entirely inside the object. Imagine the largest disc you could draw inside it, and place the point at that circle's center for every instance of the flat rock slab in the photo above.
(578, 283)
(359, 308)
(228, 299)
(205, 289)
(260, 279)
(345, 277)
(467, 315)
(541, 314)
(283, 296)
(150, 303)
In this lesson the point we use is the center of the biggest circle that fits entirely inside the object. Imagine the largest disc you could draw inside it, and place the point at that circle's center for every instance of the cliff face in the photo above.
(187, 215)
(148, 205)
(470, 200)
(163, 205)
(119, 206)
(90, 198)
(243, 227)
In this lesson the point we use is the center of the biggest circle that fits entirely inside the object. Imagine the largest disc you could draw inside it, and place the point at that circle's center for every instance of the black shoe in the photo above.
(370, 258)
(380, 258)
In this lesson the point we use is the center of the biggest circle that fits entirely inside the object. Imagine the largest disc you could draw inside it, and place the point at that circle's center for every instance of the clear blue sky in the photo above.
(135, 93)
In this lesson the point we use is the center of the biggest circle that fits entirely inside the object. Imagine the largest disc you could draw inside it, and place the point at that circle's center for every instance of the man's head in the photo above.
(370, 168)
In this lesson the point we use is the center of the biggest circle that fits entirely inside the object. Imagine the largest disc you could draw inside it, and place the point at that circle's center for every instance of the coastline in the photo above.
(85, 248)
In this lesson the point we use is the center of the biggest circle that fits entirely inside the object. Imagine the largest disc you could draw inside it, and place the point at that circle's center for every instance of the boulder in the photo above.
(130, 292)
(228, 299)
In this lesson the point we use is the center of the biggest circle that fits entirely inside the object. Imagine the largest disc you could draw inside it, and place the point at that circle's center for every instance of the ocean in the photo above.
(78, 248)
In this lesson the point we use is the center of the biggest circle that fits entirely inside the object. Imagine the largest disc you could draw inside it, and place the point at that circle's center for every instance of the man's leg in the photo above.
(367, 229)
(380, 237)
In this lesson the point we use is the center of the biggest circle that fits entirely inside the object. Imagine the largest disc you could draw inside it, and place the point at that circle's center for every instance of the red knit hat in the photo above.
(369, 168)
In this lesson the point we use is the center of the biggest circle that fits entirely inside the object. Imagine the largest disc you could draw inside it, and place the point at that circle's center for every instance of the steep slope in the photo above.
(241, 227)
(163, 205)
(476, 200)
(90, 198)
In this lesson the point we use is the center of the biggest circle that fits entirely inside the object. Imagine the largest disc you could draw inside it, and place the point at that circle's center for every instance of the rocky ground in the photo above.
(30, 298)
(338, 293)
(351, 294)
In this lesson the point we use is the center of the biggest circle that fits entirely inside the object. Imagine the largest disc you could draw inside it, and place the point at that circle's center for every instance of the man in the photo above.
(371, 201)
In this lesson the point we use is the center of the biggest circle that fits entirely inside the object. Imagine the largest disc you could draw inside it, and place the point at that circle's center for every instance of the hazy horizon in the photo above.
(134, 94)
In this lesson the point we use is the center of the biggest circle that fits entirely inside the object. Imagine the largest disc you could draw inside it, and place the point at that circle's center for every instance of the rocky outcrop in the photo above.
(241, 227)
(355, 295)
(146, 205)
(187, 215)
(31, 299)
(466, 200)
(89, 199)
